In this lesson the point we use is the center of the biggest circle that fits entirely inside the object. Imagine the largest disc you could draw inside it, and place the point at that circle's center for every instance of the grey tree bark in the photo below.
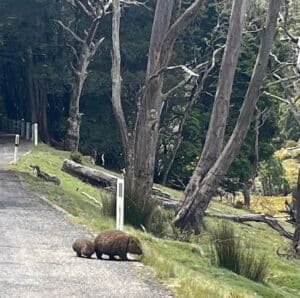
(215, 134)
(200, 189)
(89, 46)
(140, 143)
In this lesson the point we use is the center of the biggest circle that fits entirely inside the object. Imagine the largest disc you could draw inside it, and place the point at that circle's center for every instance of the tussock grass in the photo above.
(233, 255)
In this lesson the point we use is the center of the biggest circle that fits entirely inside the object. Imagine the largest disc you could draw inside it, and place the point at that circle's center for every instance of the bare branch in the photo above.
(292, 38)
(136, 3)
(107, 6)
(70, 31)
(96, 45)
(173, 89)
(292, 105)
(276, 97)
(281, 80)
(83, 7)
(183, 67)
(199, 66)
(74, 52)
(176, 29)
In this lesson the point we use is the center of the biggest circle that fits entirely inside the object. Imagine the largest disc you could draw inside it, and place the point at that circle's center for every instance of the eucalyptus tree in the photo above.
(140, 141)
(213, 165)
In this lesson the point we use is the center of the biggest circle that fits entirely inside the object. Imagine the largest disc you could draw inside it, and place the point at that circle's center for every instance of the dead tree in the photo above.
(209, 173)
(294, 39)
(140, 142)
(89, 45)
(287, 72)
(45, 176)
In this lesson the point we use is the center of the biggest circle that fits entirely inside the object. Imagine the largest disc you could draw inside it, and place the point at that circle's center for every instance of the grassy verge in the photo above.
(185, 267)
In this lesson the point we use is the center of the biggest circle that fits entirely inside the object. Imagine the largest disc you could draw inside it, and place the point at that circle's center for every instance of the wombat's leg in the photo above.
(111, 257)
(78, 254)
(99, 254)
(124, 257)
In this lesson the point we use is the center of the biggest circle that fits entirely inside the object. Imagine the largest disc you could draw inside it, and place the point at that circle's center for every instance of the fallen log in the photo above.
(45, 176)
(164, 199)
(270, 221)
(109, 182)
(90, 175)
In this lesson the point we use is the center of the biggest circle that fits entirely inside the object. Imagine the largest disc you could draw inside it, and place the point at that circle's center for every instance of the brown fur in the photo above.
(117, 243)
(84, 247)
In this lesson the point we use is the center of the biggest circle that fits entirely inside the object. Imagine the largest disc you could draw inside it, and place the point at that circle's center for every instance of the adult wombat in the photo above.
(116, 243)
(84, 247)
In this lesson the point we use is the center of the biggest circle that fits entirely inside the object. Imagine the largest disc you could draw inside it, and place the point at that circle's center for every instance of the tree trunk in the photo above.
(139, 177)
(140, 144)
(216, 130)
(248, 185)
(73, 133)
(296, 240)
(89, 46)
(198, 194)
(30, 86)
(246, 193)
(43, 118)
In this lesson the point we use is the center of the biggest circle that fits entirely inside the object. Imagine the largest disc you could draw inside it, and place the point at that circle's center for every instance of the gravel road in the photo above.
(7, 148)
(36, 259)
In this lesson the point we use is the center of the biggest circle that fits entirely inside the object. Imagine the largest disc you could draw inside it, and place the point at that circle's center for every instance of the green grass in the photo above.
(185, 267)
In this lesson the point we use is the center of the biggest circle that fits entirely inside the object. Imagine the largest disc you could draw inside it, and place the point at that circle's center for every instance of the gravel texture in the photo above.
(36, 258)
(7, 148)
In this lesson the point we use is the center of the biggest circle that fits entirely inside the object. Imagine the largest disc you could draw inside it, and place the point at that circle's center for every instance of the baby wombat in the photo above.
(118, 243)
(84, 247)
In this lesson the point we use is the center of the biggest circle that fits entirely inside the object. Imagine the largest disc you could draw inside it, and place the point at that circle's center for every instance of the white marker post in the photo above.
(120, 205)
(17, 142)
(35, 134)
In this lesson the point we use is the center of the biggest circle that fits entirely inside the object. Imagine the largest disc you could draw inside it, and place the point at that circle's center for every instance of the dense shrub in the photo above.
(232, 255)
